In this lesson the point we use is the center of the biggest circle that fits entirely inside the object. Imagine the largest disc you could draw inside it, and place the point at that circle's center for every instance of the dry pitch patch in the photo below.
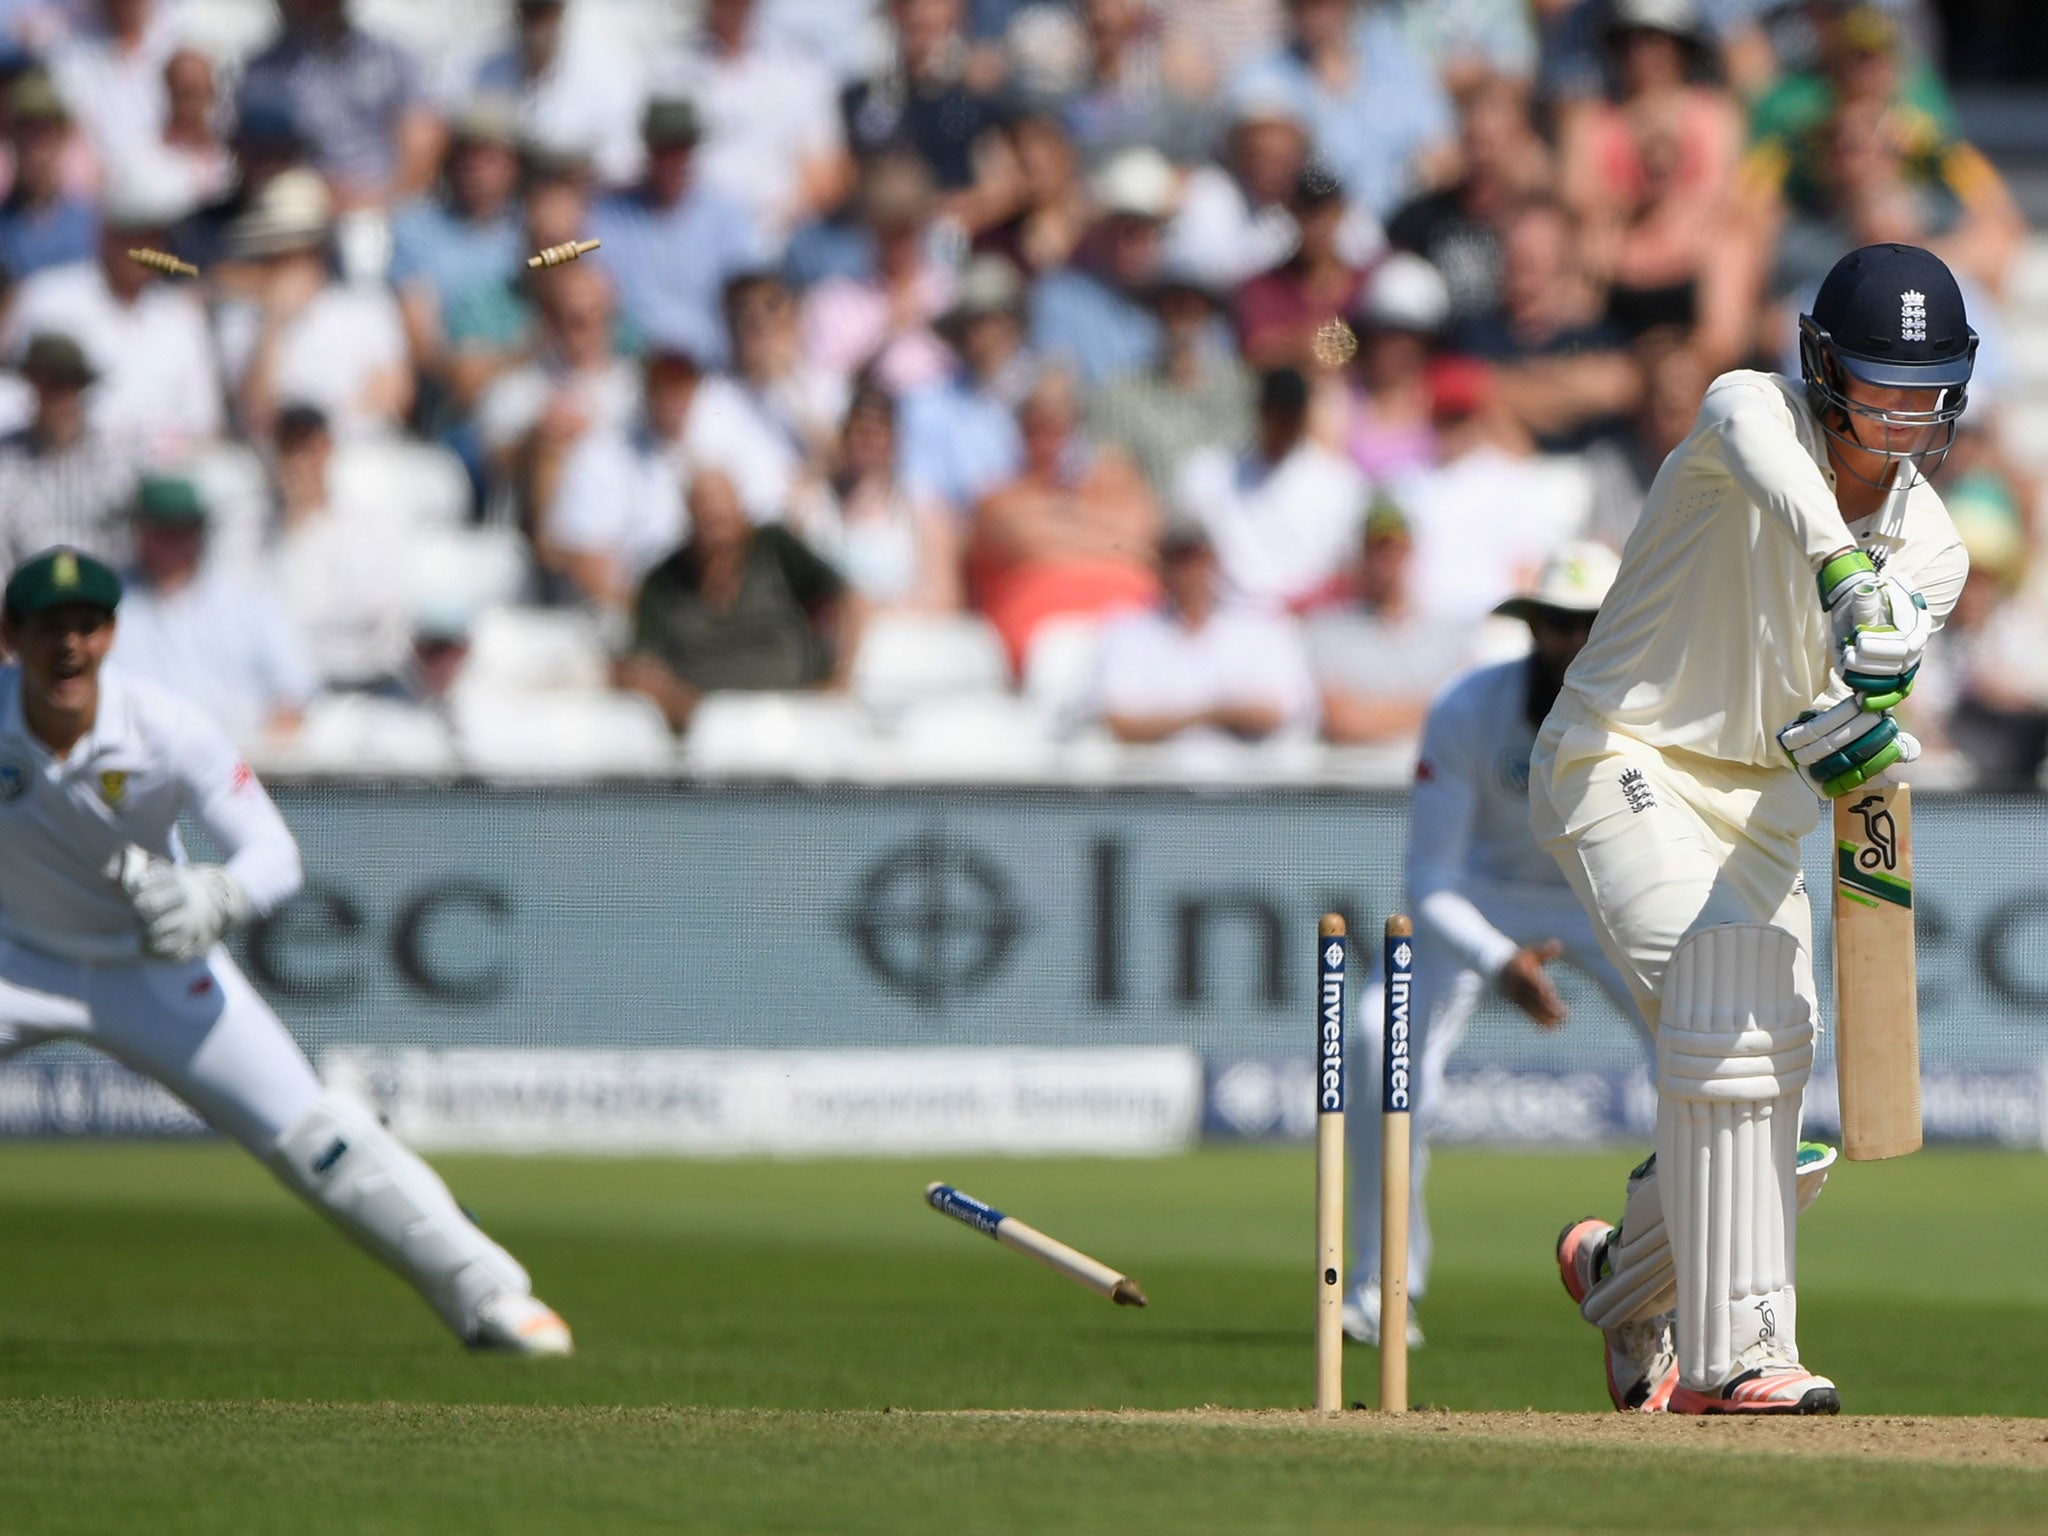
(1962, 1442)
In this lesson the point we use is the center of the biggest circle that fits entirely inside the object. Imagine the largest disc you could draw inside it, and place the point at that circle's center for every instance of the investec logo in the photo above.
(1331, 1086)
(1394, 1097)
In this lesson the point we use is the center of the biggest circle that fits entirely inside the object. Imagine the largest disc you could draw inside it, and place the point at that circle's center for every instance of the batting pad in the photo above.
(339, 1157)
(1734, 1048)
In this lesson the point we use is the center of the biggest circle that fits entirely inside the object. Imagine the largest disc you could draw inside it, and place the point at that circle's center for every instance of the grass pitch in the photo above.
(797, 1347)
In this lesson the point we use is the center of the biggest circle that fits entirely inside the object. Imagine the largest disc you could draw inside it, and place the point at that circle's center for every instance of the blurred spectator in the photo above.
(737, 606)
(1127, 95)
(1378, 115)
(620, 505)
(1649, 173)
(339, 569)
(1866, 153)
(190, 151)
(1468, 41)
(62, 481)
(294, 331)
(1051, 211)
(1280, 311)
(1458, 228)
(1489, 513)
(882, 324)
(265, 144)
(673, 243)
(1200, 396)
(1401, 316)
(801, 403)
(411, 722)
(1210, 40)
(1562, 372)
(1285, 514)
(159, 388)
(924, 100)
(1675, 378)
(960, 437)
(1198, 666)
(576, 382)
(1091, 315)
(577, 94)
(896, 549)
(467, 234)
(1075, 533)
(773, 140)
(1234, 218)
(1379, 658)
(42, 223)
(202, 629)
(356, 98)
(110, 73)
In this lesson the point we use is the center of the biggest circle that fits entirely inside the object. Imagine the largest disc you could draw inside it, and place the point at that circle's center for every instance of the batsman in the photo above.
(1771, 609)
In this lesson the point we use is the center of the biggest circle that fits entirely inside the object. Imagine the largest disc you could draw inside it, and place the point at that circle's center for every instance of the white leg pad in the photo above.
(342, 1160)
(1640, 1281)
(1734, 1048)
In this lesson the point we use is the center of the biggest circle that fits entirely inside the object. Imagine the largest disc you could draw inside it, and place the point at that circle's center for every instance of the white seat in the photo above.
(421, 484)
(570, 732)
(472, 568)
(905, 657)
(989, 736)
(232, 483)
(775, 735)
(513, 649)
(1059, 670)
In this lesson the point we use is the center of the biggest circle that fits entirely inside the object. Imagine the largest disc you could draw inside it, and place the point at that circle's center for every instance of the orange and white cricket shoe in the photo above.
(513, 1323)
(1642, 1360)
(1776, 1386)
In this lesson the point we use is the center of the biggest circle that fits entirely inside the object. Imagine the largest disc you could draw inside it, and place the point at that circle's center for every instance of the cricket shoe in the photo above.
(517, 1324)
(1642, 1359)
(1362, 1316)
(1776, 1386)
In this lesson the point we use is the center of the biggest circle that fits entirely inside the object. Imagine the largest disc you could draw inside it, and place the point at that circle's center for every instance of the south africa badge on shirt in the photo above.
(14, 778)
(114, 787)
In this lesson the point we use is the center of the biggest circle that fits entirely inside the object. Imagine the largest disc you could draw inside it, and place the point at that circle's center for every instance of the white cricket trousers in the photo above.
(1444, 996)
(198, 1028)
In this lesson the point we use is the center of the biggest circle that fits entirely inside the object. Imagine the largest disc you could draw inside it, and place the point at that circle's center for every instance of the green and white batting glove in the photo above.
(1880, 628)
(1845, 746)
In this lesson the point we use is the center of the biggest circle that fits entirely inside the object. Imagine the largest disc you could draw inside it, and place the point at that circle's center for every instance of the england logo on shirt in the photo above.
(1912, 315)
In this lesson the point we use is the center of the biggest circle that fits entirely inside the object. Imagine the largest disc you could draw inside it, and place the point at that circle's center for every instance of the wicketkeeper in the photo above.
(110, 936)
(1728, 684)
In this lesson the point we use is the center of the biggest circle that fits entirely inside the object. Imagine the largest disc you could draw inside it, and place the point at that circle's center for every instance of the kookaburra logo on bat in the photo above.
(1879, 831)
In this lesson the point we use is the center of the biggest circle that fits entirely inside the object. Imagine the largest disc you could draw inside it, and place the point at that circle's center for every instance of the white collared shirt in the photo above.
(149, 758)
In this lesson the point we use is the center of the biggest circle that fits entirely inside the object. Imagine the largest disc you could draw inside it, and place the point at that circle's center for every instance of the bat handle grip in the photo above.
(1866, 605)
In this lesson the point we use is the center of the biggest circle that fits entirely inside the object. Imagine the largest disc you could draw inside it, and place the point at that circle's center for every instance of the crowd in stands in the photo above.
(955, 377)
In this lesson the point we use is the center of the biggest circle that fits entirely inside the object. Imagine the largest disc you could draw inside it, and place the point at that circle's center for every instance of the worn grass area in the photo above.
(184, 1349)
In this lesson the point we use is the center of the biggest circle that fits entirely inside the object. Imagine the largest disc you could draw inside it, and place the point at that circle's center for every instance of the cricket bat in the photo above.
(1877, 1015)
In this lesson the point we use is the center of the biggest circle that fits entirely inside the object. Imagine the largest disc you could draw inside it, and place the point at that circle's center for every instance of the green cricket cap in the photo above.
(170, 500)
(58, 576)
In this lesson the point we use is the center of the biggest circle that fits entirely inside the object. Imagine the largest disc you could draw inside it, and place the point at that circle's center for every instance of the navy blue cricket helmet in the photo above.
(1890, 316)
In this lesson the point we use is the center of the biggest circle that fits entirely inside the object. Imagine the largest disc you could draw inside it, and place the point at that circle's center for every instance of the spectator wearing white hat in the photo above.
(1091, 314)
(159, 388)
(293, 332)
(1401, 316)
(1233, 219)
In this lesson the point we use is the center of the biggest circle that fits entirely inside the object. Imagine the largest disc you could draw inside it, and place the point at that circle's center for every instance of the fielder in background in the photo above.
(110, 937)
(1490, 908)
(1771, 608)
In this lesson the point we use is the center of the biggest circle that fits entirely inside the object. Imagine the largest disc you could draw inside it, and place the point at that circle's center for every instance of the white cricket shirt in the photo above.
(1468, 824)
(149, 758)
(1713, 637)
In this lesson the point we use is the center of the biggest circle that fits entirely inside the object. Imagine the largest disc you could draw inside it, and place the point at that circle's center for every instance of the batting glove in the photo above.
(183, 909)
(1844, 746)
(1880, 627)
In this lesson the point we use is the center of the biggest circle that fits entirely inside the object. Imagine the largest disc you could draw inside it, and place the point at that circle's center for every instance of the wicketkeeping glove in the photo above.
(1845, 746)
(1880, 628)
(184, 909)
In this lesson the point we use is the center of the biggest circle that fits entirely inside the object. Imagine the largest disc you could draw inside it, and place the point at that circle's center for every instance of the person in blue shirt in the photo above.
(41, 224)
